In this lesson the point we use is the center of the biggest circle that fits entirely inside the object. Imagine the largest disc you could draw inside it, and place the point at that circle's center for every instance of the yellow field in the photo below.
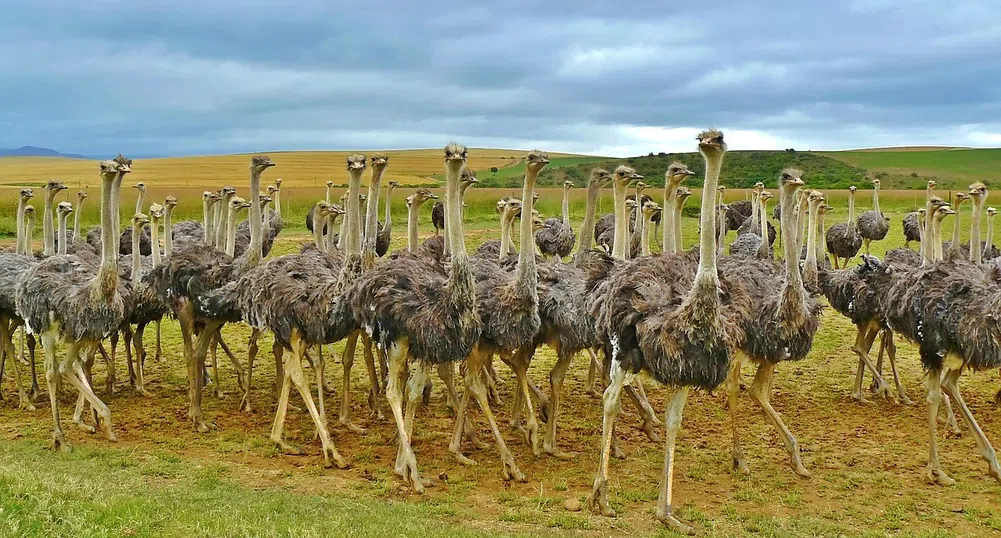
(297, 168)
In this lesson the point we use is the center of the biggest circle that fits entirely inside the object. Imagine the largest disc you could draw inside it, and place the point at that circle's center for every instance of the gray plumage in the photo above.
(873, 225)
(555, 238)
(843, 241)
(911, 227)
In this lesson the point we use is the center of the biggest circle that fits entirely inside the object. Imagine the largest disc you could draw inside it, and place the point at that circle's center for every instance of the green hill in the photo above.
(951, 168)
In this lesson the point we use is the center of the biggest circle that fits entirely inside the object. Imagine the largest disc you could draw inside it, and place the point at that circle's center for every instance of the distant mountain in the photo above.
(32, 151)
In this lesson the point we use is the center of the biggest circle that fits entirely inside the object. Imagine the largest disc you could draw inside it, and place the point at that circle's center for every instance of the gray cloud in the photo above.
(188, 77)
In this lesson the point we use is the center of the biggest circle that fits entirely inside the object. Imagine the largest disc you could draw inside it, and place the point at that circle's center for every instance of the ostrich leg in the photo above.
(237, 365)
(159, 351)
(733, 401)
(407, 461)
(7, 353)
(446, 371)
(673, 419)
(374, 390)
(519, 362)
(71, 368)
(111, 381)
(251, 355)
(140, 352)
(761, 392)
(864, 338)
(592, 373)
(556, 377)
(52, 377)
(195, 363)
(597, 501)
(950, 383)
(35, 391)
(213, 347)
(127, 331)
(348, 360)
(891, 354)
(934, 473)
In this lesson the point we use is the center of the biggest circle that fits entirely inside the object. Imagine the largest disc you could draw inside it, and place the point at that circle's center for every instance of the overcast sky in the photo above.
(618, 77)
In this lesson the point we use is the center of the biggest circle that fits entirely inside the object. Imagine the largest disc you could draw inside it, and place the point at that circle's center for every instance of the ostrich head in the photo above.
(765, 196)
(711, 144)
(501, 204)
(824, 208)
(467, 178)
(791, 177)
(139, 220)
(512, 207)
(141, 187)
(960, 198)
(156, 211)
(355, 161)
(931, 184)
(227, 192)
(53, 187)
(625, 175)
(265, 200)
(336, 210)
(273, 189)
(124, 164)
(567, 185)
(455, 157)
(978, 192)
(631, 204)
(683, 194)
(237, 204)
(535, 196)
(650, 208)
(329, 184)
(393, 185)
(81, 196)
(26, 195)
(538, 223)
(991, 212)
(921, 213)
(677, 172)
(759, 187)
(423, 195)
(170, 202)
(379, 162)
(640, 187)
(64, 208)
(536, 160)
(323, 209)
(874, 272)
(815, 198)
(207, 196)
(875, 184)
(852, 189)
(29, 212)
(259, 163)
(109, 170)
(599, 177)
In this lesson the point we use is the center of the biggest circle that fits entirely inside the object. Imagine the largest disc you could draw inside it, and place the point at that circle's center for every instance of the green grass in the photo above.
(951, 168)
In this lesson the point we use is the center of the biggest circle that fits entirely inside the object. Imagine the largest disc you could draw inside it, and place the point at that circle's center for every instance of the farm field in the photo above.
(950, 167)
(163, 479)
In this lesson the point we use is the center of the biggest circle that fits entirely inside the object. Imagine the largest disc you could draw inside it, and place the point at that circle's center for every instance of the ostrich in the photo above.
(192, 230)
(62, 298)
(419, 314)
(748, 242)
(467, 180)
(764, 251)
(414, 203)
(843, 239)
(948, 312)
(63, 211)
(125, 240)
(51, 189)
(80, 197)
(676, 173)
(783, 320)
(912, 228)
(954, 250)
(190, 273)
(678, 324)
(815, 199)
(146, 305)
(873, 225)
(651, 208)
(508, 306)
(13, 265)
(557, 238)
(821, 239)
(225, 194)
(385, 234)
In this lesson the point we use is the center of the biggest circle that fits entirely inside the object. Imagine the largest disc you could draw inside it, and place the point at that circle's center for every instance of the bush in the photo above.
(493, 169)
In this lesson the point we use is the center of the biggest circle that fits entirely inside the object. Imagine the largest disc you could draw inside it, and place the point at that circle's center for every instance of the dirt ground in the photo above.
(867, 460)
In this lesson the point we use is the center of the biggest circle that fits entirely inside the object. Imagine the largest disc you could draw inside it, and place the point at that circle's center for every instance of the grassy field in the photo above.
(163, 479)
(950, 167)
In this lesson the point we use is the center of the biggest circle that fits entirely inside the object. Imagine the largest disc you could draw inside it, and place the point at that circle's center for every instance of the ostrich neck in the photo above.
(328, 239)
(720, 230)
(206, 219)
(670, 195)
(937, 231)
(990, 233)
(220, 222)
(108, 273)
(267, 217)
(254, 252)
(389, 213)
(810, 267)
(29, 231)
(231, 234)
(788, 224)
(566, 209)
(675, 216)
(955, 231)
(352, 230)
(706, 275)
(62, 233)
(505, 239)
(755, 205)
(278, 201)
(412, 212)
(851, 210)
(527, 275)
(327, 197)
(20, 225)
(764, 222)
(168, 233)
(49, 248)
(136, 258)
(975, 249)
(372, 217)
(318, 223)
(154, 239)
(76, 221)
(140, 200)
(928, 235)
(460, 278)
(637, 215)
(822, 239)
(587, 227)
(800, 231)
(875, 199)
(645, 237)
(621, 227)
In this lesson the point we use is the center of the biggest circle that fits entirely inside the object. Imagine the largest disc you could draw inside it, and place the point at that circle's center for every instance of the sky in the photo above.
(619, 78)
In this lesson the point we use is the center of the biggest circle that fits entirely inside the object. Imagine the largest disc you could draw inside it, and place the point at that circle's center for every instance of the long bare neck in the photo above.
(48, 235)
(928, 234)
(527, 275)
(267, 216)
(341, 238)
(20, 225)
(670, 195)
(329, 238)
(108, 273)
(154, 239)
(937, 230)
(220, 223)
(764, 225)
(875, 199)
(810, 267)
(372, 217)
(720, 230)
(116, 212)
(800, 229)
(954, 248)
(789, 223)
(587, 227)
(566, 207)
(389, 213)
(168, 232)
(706, 274)
(755, 205)
(822, 239)
(645, 237)
(76, 220)
(327, 197)
(352, 227)
(136, 257)
(318, 223)
(620, 247)
(254, 250)
(975, 248)
(412, 213)
(206, 220)
(851, 210)
(675, 216)
(62, 233)
(231, 233)
(277, 200)
(990, 234)
(29, 231)
(140, 200)
(460, 277)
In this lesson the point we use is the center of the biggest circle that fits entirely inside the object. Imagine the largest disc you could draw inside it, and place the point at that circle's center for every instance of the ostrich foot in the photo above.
(78, 420)
(675, 525)
(938, 476)
(597, 501)
(407, 470)
(650, 429)
(904, 400)
(460, 457)
(596, 391)
(738, 464)
(25, 403)
(617, 451)
(331, 458)
(471, 436)
(889, 395)
(245, 404)
(286, 448)
(202, 426)
(35, 392)
(373, 405)
(511, 470)
(532, 438)
(798, 468)
(857, 396)
(551, 449)
(219, 393)
(106, 428)
(353, 427)
(59, 442)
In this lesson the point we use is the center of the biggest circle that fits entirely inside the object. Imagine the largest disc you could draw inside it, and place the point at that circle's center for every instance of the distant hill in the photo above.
(906, 168)
(33, 151)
